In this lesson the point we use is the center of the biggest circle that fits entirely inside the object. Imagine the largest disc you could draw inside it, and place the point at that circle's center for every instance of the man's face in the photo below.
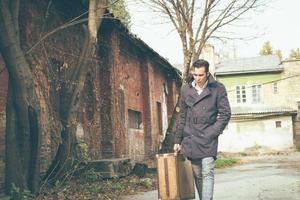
(200, 76)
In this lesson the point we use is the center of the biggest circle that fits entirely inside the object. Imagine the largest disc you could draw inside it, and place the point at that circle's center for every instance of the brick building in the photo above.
(128, 99)
(140, 94)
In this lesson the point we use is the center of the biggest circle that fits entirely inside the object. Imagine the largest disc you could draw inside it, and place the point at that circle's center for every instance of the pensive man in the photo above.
(204, 114)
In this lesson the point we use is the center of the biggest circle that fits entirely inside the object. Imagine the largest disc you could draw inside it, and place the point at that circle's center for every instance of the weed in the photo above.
(82, 151)
(243, 154)
(19, 194)
(91, 175)
(96, 189)
(221, 163)
(146, 182)
(119, 186)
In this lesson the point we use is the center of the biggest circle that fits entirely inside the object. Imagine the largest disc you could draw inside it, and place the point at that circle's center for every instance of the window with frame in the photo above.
(275, 88)
(241, 96)
(278, 124)
(256, 90)
(135, 119)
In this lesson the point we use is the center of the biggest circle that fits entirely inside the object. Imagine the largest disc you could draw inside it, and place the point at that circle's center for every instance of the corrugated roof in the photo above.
(261, 109)
(270, 63)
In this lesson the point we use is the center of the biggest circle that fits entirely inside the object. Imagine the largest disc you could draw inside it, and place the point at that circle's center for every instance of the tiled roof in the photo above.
(261, 109)
(270, 63)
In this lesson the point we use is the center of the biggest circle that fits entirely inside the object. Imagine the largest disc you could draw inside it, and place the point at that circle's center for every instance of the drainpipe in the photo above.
(296, 125)
(298, 103)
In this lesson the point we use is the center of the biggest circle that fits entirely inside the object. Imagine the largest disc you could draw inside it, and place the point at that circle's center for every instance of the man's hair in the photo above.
(201, 63)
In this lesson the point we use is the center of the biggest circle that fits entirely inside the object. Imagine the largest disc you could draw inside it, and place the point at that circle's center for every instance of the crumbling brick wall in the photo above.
(124, 75)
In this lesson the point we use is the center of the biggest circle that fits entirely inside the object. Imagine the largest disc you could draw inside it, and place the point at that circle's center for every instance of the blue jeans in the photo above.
(203, 170)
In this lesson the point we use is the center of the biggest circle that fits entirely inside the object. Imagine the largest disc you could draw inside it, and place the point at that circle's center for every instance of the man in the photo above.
(204, 113)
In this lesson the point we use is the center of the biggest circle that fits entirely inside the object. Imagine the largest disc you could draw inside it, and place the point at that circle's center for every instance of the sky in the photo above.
(279, 24)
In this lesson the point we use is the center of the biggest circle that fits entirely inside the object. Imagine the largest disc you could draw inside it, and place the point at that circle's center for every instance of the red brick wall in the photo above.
(63, 47)
(142, 81)
(122, 77)
(160, 76)
(156, 88)
(127, 79)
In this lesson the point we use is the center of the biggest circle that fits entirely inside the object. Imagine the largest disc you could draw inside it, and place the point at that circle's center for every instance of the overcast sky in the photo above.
(279, 24)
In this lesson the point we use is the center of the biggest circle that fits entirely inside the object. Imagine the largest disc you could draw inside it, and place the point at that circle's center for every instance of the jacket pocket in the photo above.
(211, 133)
(201, 139)
(212, 119)
(189, 101)
(185, 134)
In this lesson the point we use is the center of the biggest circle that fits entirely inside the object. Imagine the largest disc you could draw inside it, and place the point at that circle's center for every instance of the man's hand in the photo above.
(177, 148)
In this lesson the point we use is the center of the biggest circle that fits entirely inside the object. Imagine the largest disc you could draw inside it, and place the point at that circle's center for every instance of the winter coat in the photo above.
(202, 119)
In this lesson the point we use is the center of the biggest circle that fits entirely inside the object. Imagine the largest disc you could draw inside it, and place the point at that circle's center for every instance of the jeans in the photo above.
(203, 171)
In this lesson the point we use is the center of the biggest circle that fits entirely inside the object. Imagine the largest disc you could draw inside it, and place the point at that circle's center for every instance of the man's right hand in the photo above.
(177, 148)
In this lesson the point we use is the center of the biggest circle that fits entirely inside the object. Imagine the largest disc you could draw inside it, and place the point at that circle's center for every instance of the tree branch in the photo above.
(14, 10)
(75, 21)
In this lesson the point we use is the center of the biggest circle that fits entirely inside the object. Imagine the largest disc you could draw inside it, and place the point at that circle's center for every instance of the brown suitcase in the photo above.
(175, 177)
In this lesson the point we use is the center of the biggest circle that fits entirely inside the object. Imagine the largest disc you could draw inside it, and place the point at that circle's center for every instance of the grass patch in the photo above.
(226, 162)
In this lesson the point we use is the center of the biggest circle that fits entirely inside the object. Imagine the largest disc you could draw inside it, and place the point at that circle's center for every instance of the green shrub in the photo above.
(82, 151)
(221, 163)
(19, 194)
(119, 185)
(146, 182)
(96, 189)
(91, 175)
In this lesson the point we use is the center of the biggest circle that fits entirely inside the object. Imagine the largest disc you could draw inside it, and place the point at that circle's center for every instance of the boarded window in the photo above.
(159, 118)
(135, 119)
(278, 124)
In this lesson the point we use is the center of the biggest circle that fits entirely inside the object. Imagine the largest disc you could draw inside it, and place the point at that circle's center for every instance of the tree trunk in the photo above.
(168, 142)
(13, 168)
(73, 92)
(23, 128)
(71, 95)
(23, 125)
(63, 159)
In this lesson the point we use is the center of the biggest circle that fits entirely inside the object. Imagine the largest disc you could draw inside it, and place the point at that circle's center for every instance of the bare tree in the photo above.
(198, 22)
(23, 121)
(64, 156)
